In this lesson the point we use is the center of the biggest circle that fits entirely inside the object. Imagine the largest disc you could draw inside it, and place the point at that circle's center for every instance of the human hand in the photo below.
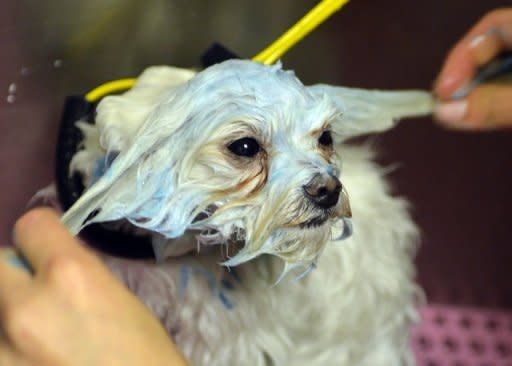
(71, 310)
(488, 106)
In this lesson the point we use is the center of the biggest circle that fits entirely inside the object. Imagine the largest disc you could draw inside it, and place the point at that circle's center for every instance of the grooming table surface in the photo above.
(463, 336)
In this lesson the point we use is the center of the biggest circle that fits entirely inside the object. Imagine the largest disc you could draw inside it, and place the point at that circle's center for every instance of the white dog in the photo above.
(236, 174)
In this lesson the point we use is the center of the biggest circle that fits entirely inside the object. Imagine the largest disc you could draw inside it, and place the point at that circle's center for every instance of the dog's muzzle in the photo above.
(323, 190)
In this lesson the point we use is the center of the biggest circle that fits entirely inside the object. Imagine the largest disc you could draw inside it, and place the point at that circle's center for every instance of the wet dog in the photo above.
(241, 177)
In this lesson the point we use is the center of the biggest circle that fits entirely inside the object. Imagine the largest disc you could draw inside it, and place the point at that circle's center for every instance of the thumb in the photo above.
(487, 107)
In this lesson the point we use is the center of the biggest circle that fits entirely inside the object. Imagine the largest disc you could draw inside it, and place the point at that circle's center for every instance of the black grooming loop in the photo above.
(70, 187)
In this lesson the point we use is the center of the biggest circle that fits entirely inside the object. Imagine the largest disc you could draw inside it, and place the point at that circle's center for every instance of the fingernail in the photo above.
(449, 85)
(451, 113)
(15, 260)
(480, 38)
(463, 91)
(477, 40)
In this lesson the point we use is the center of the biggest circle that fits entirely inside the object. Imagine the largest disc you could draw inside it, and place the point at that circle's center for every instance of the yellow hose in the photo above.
(268, 56)
(292, 36)
(109, 88)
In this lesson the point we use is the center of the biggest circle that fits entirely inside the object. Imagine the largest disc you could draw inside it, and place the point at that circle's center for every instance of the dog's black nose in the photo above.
(324, 190)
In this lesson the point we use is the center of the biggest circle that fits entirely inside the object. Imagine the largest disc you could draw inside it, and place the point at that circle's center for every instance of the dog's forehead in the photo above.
(268, 95)
(244, 75)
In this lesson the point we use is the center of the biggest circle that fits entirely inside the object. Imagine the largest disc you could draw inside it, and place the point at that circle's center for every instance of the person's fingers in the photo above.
(497, 18)
(482, 43)
(15, 260)
(41, 238)
(458, 70)
(15, 285)
(487, 107)
(484, 47)
(13, 279)
(8, 355)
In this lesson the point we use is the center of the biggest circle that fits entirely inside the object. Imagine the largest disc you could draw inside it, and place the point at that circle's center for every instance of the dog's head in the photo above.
(245, 153)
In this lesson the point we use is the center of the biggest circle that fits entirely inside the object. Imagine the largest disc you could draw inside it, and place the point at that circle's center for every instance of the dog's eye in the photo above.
(325, 139)
(246, 146)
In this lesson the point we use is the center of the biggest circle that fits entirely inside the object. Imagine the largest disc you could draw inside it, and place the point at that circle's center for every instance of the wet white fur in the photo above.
(354, 309)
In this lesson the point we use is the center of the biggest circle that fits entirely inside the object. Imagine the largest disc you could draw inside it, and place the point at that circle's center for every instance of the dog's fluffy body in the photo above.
(173, 176)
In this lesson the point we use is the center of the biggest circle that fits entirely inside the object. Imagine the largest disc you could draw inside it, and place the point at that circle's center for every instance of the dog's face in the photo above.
(255, 161)
(244, 153)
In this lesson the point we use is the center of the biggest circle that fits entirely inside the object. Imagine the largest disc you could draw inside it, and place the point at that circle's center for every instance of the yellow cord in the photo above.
(310, 21)
(109, 88)
(268, 56)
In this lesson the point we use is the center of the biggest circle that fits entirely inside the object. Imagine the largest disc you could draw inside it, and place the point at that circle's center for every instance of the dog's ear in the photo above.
(120, 120)
(119, 117)
(369, 111)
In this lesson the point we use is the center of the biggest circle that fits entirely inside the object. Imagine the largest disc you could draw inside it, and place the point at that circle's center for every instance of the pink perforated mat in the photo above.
(462, 336)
